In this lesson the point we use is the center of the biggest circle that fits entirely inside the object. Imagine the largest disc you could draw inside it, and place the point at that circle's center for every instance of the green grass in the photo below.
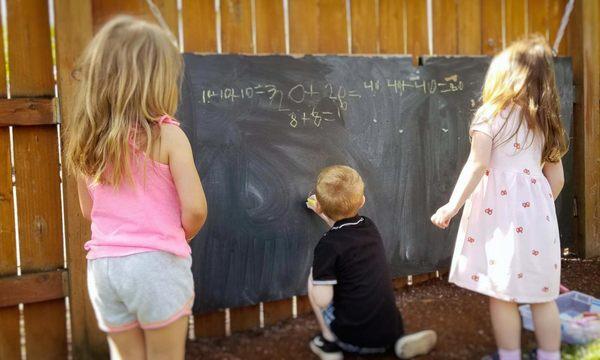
(589, 351)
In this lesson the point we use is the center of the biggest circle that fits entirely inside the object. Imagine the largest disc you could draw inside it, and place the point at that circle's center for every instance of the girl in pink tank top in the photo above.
(141, 216)
(139, 186)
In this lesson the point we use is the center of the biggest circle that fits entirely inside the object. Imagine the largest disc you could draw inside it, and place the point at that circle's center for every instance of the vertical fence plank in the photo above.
(38, 197)
(591, 103)
(578, 144)
(392, 23)
(236, 26)
(538, 17)
(45, 330)
(445, 27)
(276, 311)
(318, 26)
(333, 37)
(168, 9)
(416, 29)
(210, 325)
(469, 27)
(491, 26)
(10, 345)
(365, 26)
(244, 318)
(103, 10)
(30, 60)
(304, 26)
(555, 14)
(74, 26)
(199, 36)
(270, 33)
(270, 38)
(9, 316)
(515, 20)
(303, 305)
(8, 251)
(36, 171)
(584, 46)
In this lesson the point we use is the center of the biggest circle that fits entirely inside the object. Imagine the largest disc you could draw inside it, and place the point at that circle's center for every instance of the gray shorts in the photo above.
(149, 290)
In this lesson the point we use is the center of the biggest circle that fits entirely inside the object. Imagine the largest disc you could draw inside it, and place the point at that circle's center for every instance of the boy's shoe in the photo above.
(325, 350)
(415, 344)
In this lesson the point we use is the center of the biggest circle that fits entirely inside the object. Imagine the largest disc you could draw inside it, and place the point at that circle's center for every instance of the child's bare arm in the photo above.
(327, 220)
(322, 295)
(85, 200)
(477, 163)
(555, 175)
(187, 181)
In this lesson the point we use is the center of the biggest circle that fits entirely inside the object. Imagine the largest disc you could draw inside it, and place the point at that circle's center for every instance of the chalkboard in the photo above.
(262, 127)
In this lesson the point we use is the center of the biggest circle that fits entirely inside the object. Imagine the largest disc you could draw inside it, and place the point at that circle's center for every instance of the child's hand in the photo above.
(311, 203)
(443, 216)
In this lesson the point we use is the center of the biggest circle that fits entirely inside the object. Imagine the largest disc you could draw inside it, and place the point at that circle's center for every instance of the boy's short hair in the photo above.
(340, 191)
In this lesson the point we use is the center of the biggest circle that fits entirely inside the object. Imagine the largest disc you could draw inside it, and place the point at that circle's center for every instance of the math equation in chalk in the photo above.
(302, 102)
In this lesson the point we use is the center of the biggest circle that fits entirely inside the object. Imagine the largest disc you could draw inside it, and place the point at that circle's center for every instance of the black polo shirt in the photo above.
(351, 257)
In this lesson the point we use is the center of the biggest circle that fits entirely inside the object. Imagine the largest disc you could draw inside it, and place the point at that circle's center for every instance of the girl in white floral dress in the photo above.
(508, 244)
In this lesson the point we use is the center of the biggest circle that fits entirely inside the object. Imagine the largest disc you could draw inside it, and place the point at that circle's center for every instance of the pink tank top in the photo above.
(133, 219)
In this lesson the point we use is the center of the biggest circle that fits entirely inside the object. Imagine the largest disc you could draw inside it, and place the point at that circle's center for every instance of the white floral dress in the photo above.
(508, 243)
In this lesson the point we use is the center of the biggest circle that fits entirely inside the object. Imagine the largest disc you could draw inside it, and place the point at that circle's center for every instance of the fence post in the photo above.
(585, 49)
(9, 315)
(36, 169)
(73, 31)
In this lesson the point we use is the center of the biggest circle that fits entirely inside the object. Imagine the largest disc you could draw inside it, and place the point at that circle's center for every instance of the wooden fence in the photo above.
(35, 284)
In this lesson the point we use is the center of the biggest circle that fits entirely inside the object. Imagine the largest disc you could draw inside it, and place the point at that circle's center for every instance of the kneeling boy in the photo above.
(350, 286)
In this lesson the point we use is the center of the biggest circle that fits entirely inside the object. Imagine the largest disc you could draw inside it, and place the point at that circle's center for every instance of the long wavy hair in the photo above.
(128, 77)
(523, 75)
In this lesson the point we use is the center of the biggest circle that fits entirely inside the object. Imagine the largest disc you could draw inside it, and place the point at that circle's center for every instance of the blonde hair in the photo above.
(128, 78)
(340, 191)
(523, 75)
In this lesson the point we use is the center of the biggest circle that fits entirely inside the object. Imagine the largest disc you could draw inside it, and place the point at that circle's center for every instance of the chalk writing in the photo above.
(303, 102)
